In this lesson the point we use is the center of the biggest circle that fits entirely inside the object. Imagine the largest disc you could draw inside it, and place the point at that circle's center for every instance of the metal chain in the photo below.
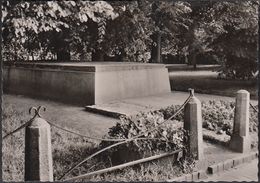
(131, 139)
(119, 141)
(19, 128)
(36, 113)
(253, 107)
(88, 137)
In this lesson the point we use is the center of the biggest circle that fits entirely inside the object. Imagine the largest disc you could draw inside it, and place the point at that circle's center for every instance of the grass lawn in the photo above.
(65, 115)
(68, 149)
(208, 83)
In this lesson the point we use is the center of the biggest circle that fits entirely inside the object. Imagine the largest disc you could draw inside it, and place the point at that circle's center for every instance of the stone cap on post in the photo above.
(193, 98)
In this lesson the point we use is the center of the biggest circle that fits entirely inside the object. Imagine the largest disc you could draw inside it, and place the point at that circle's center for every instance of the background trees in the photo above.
(138, 31)
(54, 28)
(236, 41)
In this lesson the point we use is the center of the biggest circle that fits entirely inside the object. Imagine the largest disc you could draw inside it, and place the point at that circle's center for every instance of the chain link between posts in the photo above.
(119, 141)
(36, 113)
(137, 137)
(253, 107)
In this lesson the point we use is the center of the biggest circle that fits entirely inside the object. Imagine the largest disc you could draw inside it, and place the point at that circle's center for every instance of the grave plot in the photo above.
(158, 132)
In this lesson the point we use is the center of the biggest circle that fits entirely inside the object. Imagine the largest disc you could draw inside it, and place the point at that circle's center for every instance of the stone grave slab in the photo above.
(85, 83)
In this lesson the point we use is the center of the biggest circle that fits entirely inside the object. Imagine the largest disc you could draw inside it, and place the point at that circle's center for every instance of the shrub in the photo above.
(238, 68)
(216, 116)
(68, 149)
(168, 136)
(170, 110)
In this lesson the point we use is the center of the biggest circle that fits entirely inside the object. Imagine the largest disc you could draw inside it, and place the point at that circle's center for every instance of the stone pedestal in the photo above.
(240, 139)
(38, 154)
(86, 83)
(193, 124)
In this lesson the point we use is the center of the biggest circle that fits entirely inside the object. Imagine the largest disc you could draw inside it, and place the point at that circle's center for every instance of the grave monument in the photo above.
(85, 83)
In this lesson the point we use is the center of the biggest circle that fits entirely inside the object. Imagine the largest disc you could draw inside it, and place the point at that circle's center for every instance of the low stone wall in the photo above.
(85, 83)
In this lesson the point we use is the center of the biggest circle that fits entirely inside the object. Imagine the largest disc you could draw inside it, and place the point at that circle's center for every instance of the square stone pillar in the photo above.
(193, 124)
(240, 139)
(38, 154)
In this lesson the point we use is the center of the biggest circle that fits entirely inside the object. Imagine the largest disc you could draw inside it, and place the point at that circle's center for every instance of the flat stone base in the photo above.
(86, 83)
(240, 144)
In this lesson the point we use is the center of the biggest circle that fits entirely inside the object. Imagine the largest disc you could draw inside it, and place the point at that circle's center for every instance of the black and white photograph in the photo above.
(129, 91)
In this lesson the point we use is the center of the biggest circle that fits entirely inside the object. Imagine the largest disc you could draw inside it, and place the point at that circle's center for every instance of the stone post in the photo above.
(193, 124)
(38, 155)
(240, 139)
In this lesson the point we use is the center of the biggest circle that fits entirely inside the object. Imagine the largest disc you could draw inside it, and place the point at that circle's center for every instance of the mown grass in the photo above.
(210, 84)
(67, 150)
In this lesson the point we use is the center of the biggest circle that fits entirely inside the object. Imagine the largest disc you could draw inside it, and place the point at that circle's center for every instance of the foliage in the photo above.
(69, 149)
(50, 25)
(170, 20)
(133, 34)
(41, 29)
(253, 120)
(128, 36)
(216, 116)
(200, 32)
(170, 110)
(167, 137)
(134, 31)
(219, 115)
(236, 41)
(187, 164)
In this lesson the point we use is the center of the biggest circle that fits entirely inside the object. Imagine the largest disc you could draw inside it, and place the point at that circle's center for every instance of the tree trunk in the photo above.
(156, 48)
(121, 57)
(15, 54)
(32, 56)
(98, 56)
(186, 60)
(194, 61)
(63, 55)
(84, 55)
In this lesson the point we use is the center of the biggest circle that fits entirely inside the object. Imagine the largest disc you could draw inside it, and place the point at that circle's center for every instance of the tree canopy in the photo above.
(55, 26)
(137, 31)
